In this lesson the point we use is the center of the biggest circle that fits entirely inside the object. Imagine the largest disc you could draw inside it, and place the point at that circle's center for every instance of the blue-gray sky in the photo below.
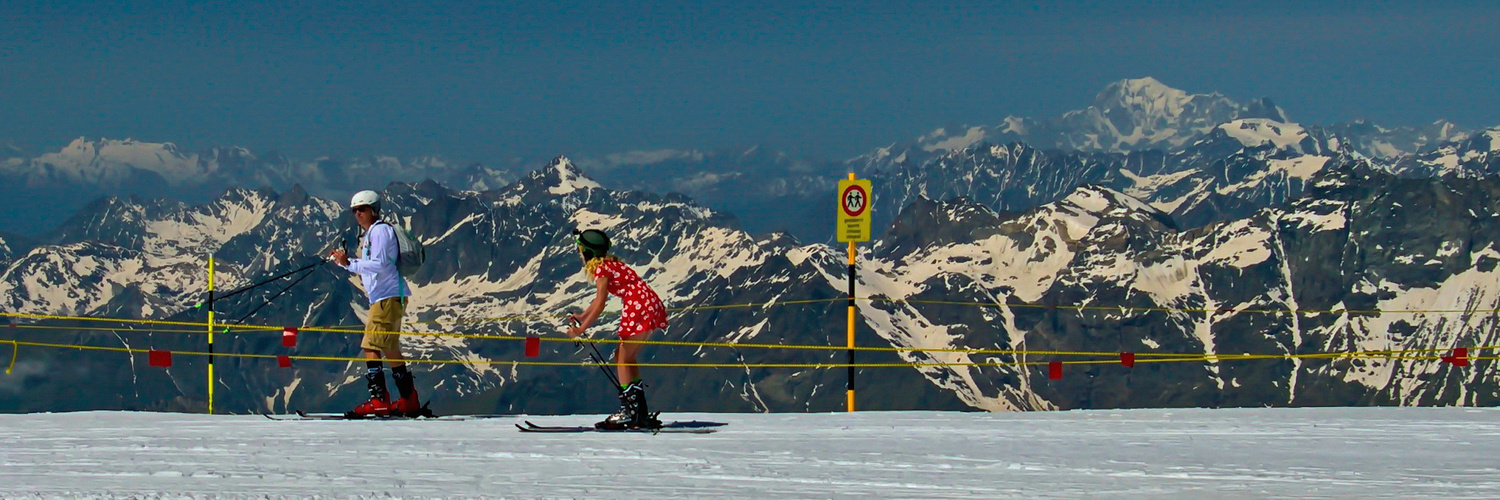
(490, 80)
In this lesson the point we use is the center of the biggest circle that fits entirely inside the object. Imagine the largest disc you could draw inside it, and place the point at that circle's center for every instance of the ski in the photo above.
(426, 415)
(688, 427)
(305, 416)
(582, 429)
(302, 416)
(689, 424)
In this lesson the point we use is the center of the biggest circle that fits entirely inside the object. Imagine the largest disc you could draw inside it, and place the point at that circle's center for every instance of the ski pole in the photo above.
(273, 297)
(343, 243)
(598, 359)
(253, 286)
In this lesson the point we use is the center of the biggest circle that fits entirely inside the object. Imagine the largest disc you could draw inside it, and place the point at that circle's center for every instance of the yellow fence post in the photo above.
(853, 312)
(210, 335)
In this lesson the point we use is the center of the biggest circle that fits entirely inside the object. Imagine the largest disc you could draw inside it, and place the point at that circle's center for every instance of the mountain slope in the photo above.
(1097, 270)
(1359, 240)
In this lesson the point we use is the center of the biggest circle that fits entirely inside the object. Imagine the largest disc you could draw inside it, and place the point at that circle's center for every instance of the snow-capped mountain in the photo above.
(501, 262)
(1236, 168)
(158, 249)
(1375, 141)
(1131, 115)
(1136, 115)
(1128, 115)
(1474, 156)
(116, 164)
(769, 191)
(745, 181)
(61, 182)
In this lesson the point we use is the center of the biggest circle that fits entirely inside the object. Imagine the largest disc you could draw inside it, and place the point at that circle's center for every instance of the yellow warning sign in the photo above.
(854, 210)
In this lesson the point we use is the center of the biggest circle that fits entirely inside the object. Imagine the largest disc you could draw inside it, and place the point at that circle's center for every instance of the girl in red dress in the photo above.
(642, 314)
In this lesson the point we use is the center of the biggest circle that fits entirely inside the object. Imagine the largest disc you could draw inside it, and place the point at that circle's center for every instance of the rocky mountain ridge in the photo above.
(948, 274)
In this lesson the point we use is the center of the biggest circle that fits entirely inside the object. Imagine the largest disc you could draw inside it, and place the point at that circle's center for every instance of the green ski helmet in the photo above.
(593, 243)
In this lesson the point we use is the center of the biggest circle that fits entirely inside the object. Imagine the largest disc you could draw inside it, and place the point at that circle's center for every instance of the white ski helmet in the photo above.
(365, 197)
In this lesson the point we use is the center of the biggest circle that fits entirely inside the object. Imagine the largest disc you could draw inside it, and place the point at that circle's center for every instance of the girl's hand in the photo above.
(575, 325)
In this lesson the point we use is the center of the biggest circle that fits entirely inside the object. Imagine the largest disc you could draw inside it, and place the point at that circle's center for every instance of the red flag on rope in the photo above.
(1127, 359)
(533, 347)
(161, 358)
(1460, 357)
(1054, 370)
(284, 361)
(289, 336)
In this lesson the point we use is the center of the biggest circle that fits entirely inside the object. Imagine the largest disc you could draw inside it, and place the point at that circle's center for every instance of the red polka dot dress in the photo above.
(643, 309)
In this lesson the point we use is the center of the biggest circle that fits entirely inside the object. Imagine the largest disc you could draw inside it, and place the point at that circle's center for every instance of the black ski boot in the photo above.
(642, 418)
(623, 418)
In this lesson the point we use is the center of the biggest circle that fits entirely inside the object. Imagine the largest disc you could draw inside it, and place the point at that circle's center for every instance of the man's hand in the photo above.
(339, 257)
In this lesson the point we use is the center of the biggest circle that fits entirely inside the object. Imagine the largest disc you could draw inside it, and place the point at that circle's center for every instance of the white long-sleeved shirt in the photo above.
(376, 264)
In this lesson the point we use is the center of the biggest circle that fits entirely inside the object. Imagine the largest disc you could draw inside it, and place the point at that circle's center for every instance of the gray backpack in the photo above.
(411, 255)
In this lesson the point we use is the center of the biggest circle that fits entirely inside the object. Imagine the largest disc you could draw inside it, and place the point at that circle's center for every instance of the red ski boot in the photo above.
(375, 407)
(409, 407)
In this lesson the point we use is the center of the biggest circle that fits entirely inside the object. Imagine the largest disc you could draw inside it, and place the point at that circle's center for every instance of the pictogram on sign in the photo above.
(854, 210)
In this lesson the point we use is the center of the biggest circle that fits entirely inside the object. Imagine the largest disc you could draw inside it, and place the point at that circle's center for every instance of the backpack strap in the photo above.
(365, 240)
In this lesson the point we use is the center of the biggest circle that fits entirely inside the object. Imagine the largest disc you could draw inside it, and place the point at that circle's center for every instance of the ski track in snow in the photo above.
(1246, 453)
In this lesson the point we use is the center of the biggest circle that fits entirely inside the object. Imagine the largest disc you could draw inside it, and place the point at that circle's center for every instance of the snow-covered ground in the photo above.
(1252, 453)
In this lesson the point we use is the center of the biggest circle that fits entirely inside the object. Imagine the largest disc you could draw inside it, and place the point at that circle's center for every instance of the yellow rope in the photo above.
(517, 317)
(1184, 358)
(245, 329)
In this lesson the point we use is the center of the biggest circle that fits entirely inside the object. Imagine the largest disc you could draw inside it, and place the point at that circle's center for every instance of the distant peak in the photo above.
(84, 142)
(563, 165)
(562, 176)
(1143, 84)
(1147, 87)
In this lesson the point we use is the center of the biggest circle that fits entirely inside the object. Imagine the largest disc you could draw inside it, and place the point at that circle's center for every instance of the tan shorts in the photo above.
(385, 316)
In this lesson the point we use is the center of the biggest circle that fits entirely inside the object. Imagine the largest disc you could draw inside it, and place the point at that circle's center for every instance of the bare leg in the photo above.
(625, 359)
(394, 358)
